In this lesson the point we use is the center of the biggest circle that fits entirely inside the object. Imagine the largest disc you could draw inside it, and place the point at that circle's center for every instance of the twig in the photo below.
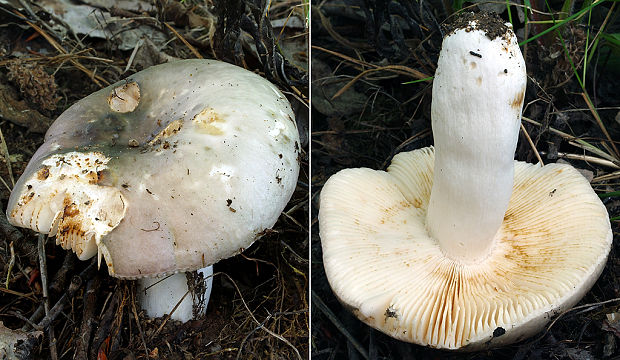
(60, 58)
(133, 55)
(422, 134)
(46, 305)
(82, 341)
(25, 319)
(529, 140)
(36, 316)
(577, 142)
(10, 267)
(104, 330)
(295, 221)
(316, 300)
(340, 39)
(76, 283)
(297, 257)
(60, 278)
(135, 314)
(345, 57)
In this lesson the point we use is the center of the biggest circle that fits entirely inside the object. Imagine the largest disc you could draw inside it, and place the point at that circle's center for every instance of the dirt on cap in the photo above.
(490, 23)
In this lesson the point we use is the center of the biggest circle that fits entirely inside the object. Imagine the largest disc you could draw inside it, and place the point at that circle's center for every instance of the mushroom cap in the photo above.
(173, 169)
(381, 262)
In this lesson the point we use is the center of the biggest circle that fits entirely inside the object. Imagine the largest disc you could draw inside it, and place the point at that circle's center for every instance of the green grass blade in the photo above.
(509, 13)
(563, 22)
(611, 194)
(418, 80)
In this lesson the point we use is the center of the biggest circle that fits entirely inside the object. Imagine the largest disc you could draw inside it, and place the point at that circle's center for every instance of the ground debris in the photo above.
(36, 85)
(18, 112)
(94, 315)
(10, 341)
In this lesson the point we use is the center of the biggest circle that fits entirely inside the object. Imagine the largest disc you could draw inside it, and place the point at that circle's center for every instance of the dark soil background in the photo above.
(53, 53)
(362, 114)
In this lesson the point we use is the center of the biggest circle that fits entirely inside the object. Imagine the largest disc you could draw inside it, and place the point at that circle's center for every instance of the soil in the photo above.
(371, 95)
(259, 303)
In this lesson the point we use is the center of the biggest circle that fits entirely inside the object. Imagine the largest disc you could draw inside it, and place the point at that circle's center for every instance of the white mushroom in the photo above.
(459, 246)
(177, 167)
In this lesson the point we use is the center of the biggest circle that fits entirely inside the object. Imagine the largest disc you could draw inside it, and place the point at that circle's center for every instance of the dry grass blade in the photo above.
(574, 141)
(5, 184)
(7, 159)
(135, 314)
(95, 78)
(345, 57)
(555, 131)
(189, 46)
(133, 55)
(167, 317)
(582, 144)
(614, 175)
(17, 293)
(590, 159)
(277, 336)
(288, 17)
(60, 58)
(595, 39)
(586, 98)
(328, 26)
(10, 266)
(529, 140)
(399, 69)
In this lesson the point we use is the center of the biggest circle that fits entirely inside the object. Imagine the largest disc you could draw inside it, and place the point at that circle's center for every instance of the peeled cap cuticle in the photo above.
(124, 98)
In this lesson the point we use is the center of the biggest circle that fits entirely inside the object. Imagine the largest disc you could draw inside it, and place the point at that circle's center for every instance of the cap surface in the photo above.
(196, 158)
(383, 265)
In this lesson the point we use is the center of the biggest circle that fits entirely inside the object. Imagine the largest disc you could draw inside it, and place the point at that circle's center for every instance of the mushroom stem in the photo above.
(478, 93)
(158, 296)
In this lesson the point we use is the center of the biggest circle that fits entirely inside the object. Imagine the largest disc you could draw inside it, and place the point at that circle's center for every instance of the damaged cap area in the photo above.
(63, 198)
(124, 98)
(200, 162)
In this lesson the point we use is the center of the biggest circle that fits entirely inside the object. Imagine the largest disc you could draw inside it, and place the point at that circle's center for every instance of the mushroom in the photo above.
(459, 246)
(171, 170)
